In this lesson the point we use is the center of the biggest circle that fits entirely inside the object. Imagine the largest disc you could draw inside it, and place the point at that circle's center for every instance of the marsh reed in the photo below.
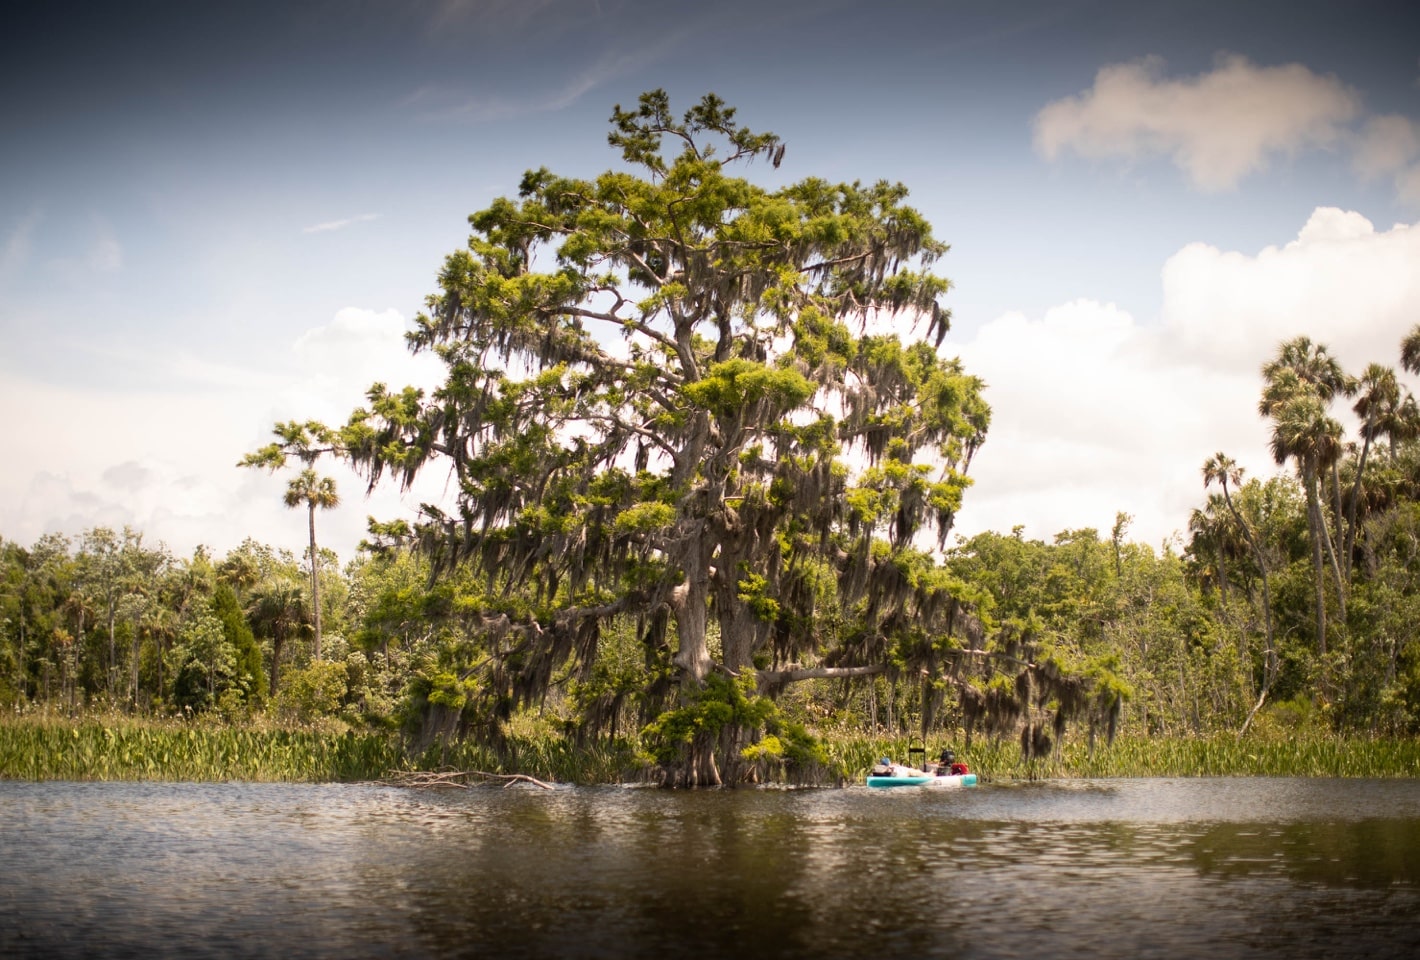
(125, 748)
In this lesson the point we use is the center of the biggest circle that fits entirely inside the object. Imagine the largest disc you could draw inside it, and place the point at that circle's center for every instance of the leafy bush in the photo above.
(315, 692)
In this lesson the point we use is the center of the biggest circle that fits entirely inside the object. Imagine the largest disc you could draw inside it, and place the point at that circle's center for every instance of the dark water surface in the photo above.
(1130, 868)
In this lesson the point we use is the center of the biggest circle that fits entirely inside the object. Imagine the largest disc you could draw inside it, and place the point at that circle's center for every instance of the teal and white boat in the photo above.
(889, 774)
(903, 776)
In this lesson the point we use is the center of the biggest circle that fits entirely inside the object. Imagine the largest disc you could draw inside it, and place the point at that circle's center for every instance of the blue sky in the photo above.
(213, 217)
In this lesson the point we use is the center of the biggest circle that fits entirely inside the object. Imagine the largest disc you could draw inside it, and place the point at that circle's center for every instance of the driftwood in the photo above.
(462, 779)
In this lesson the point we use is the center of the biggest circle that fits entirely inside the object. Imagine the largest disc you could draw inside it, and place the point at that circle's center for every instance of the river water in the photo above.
(1214, 868)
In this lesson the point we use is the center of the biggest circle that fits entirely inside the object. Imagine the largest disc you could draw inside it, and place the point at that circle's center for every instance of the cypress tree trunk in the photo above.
(691, 602)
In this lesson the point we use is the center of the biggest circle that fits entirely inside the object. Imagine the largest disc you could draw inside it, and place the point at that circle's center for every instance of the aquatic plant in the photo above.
(176, 751)
(1221, 755)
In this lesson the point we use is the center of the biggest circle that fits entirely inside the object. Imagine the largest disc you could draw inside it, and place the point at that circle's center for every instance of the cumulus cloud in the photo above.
(1095, 413)
(341, 359)
(1090, 419)
(1218, 126)
(1387, 145)
(1340, 281)
(165, 461)
(1390, 146)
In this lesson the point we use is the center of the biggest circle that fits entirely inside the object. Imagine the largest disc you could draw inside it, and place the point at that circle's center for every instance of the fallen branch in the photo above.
(1248, 722)
(456, 778)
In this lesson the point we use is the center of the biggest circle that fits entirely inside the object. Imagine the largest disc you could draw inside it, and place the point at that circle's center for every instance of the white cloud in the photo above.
(1340, 282)
(1407, 185)
(1094, 413)
(164, 461)
(1390, 146)
(1387, 145)
(339, 224)
(1089, 419)
(340, 360)
(1218, 126)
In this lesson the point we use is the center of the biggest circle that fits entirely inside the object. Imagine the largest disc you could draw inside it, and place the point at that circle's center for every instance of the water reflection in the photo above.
(1265, 868)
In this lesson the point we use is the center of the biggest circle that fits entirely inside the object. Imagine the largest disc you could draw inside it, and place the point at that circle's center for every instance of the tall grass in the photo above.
(126, 748)
(1221, 755)
(32, 749)
(1226, 756)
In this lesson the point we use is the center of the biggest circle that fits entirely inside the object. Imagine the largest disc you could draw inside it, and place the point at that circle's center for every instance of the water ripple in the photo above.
(1254, 868)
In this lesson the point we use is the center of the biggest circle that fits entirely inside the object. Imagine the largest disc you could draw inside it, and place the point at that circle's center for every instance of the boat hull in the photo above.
(924, 780)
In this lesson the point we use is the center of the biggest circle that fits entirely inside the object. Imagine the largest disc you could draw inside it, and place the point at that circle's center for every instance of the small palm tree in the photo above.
(1410, 350)
(277, 613)
(1222, 469)
(1379, 404)
(313, 491)
(1313, 365)
(309, 442)
(1298, 385)
(1303, 433)
(1320, 373)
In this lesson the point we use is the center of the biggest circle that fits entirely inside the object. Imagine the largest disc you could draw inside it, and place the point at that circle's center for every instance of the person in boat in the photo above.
(949, 766)
(883, 768)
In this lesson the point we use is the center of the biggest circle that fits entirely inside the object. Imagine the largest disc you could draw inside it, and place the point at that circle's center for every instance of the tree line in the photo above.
(705, 455)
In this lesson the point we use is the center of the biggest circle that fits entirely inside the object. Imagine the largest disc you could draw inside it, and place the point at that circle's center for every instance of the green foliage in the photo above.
(705, 456)
(203, 663)
(316, 691)
(792, 746)
(125, 749)
(1407, 694)
(645, 518)
(728, 388)
(248, 676)
(721, 703)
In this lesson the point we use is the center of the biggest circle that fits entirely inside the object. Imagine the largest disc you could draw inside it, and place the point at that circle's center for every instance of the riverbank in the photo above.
(126, 748)
(1216, 755)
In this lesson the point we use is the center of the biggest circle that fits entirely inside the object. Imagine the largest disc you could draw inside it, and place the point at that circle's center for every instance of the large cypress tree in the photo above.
(679, 397)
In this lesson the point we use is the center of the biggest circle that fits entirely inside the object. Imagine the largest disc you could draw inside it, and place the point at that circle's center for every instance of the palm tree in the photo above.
(1222, 470)
(1380, 407)
(1410, 350)
(1317, 370)
(278, 613)
(1302, 432)
(160, 624)
(1403, 427)
(1213, 543)
(1313, 365)
(314, 491)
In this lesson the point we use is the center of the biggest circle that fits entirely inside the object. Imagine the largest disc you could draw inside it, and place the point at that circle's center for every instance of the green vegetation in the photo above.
(125, 749)
(703, 486)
